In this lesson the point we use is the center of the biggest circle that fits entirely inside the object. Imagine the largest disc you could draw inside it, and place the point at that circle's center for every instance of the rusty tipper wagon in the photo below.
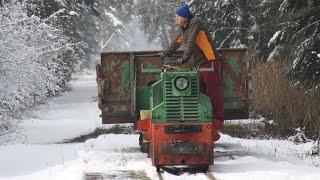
(174, 118)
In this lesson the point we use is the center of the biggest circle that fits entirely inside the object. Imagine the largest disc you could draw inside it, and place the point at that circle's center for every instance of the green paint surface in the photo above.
(142, 98)
(119, 75)
(179, 107)
(227, 80)
(124, 90)
(120, 86)
(233, 61)
(229, 83)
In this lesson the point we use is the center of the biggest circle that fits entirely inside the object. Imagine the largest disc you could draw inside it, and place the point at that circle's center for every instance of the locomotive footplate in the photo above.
(182, 147)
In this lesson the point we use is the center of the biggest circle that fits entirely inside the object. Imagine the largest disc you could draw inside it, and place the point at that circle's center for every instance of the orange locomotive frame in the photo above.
(156, 135)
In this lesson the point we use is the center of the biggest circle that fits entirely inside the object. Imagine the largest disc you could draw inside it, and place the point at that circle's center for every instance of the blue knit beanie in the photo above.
(184, 11)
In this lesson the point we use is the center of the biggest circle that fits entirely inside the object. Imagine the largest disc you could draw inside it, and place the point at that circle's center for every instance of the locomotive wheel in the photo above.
(158, 168)
(149, 150)
(204, 168)
(144, 147)
(140, 139)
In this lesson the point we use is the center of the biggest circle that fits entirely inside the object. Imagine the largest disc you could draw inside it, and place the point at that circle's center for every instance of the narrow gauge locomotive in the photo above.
(165, 105)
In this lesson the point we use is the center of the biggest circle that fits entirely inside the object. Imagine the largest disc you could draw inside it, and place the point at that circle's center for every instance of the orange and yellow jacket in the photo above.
(198, 45)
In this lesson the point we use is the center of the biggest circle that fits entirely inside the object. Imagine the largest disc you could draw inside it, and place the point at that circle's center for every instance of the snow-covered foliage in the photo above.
(43, 42)
(299, 137)
(306, 65)
(286, 30)
(30, 60)
(302, 29)
(114, 19)
(158, 19)
(78, 20)
(276, 53)
(315, 150)
(274, 38)
(228, 21)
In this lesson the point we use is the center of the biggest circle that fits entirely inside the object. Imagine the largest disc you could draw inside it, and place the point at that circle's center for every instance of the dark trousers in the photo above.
(210, 86)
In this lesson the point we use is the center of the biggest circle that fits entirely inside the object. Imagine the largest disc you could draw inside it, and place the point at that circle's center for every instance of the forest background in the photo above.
(44, 42)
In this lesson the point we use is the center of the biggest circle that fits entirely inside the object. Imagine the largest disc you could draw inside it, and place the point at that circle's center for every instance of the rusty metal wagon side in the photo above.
(123, 88)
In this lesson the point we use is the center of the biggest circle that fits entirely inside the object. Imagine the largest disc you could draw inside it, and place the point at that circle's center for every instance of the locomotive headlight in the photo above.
(181, 83)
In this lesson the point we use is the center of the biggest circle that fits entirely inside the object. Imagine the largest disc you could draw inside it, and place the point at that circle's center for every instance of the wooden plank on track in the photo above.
(210, 175)
(229, 153)
(93, 176)
(117, 174)
(160, 175)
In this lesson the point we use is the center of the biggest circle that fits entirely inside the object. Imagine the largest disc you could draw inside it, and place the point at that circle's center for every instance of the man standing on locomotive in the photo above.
(199, 52)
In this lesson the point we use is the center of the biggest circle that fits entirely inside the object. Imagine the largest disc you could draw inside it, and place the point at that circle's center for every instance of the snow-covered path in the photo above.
(41, 158)
(72, 114)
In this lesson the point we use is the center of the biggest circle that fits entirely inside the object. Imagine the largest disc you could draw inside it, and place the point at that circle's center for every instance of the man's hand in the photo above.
(179, 62)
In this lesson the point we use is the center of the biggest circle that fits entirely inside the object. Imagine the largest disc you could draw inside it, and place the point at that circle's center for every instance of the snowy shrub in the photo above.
(77, 20)
(275, 97)
(43, 42)
(114, 24)
(30, 61)
(299, 137)
(315, 150)
(229, 22)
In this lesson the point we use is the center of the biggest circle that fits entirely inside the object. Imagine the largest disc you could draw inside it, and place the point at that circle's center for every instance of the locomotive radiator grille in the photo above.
(157, 94)
(182, 107)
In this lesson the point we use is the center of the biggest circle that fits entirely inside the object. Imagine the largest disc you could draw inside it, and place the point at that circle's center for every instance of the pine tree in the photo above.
(229, 22)
(78, 20)
(158, 19)
(114, 17)
(302, 33)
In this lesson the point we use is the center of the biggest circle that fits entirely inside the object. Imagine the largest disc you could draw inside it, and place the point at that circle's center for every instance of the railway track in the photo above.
(127, 175)
(209, 174)
(139, 175)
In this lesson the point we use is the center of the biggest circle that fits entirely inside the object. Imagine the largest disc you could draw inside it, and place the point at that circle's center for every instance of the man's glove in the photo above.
(179, 62)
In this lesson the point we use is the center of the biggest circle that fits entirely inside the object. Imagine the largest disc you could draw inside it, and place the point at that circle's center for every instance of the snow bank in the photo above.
(274, 149)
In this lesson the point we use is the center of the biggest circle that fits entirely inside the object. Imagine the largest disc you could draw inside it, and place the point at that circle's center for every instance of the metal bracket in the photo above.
(206, 69)
(150, 70)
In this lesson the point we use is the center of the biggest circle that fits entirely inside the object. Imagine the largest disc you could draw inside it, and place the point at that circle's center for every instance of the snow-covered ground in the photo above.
(71, 114)
(38, 156)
